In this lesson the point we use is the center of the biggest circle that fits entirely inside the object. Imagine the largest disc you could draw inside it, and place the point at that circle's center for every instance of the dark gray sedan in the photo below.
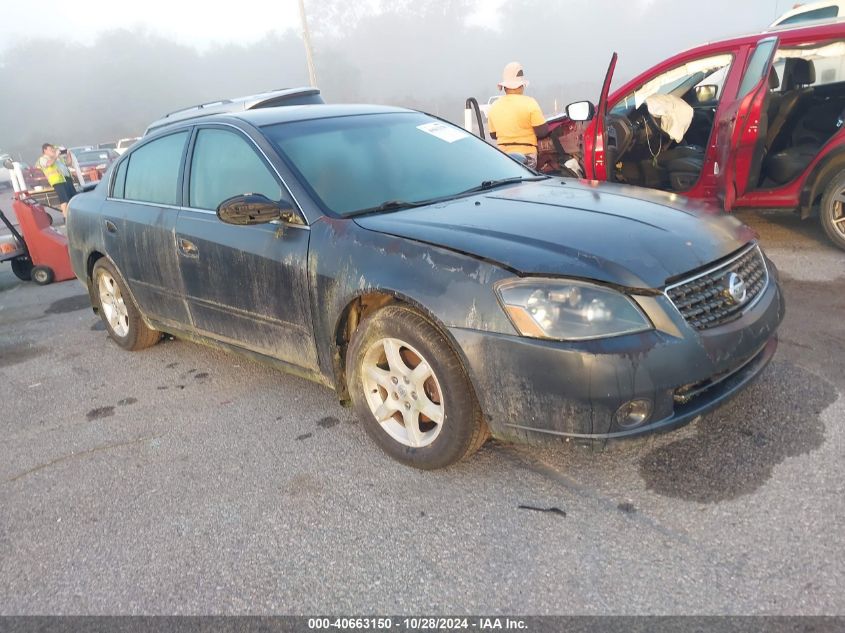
(444, 290)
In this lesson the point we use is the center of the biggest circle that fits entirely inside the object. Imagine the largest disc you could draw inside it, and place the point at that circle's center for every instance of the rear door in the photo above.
(139, 219)
(742, 126)
(595, 135)
(245, 285)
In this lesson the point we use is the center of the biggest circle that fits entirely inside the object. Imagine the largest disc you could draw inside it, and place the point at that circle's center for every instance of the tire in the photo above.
(389, 390)
(832, 210)
(118, 310)
(22, 267)
(42, 275)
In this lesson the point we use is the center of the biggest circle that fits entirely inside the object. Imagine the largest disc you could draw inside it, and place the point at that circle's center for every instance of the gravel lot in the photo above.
(183, 480)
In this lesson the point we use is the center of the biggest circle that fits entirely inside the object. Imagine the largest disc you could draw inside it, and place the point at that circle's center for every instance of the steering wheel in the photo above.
(643, 118)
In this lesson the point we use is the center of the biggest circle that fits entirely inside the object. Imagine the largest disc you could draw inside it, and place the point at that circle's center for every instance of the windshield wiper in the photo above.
(492, 184)
(389, 205)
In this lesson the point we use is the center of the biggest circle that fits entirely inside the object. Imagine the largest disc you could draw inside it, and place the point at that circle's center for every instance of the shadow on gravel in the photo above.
(735, 448)
(69, 304)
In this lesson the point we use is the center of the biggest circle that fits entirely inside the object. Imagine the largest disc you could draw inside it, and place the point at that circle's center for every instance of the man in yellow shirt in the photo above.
(58, 175)
(515, 120)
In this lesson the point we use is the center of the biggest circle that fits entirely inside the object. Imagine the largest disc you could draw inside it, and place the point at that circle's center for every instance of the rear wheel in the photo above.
(42, 275)
(832, 210)
(22, 267)
(411, 391)
(119, 312)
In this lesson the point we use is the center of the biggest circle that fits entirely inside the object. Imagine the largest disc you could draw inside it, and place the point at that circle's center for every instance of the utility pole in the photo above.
(306, 36)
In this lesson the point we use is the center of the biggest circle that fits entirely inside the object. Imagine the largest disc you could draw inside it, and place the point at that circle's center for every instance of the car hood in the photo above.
(622, 235)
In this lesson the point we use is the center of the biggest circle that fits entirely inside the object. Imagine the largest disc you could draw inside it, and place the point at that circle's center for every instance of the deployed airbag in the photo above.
(672, 113)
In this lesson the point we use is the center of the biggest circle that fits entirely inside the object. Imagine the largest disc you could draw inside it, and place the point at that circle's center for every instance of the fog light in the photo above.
(633, 413)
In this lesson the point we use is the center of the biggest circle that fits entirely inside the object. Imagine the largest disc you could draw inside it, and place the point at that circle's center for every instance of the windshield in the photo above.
(355, 163)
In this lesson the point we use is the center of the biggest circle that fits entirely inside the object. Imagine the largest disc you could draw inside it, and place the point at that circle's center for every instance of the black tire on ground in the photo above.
(463, 430)
(42, 275)
(22, 267)
(832, 210)
(139, 335)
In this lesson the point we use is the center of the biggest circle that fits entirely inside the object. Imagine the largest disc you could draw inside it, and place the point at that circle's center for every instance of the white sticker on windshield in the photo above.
(443, 132)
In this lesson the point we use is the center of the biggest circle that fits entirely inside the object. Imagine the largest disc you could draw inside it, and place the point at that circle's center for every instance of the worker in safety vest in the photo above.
(57, 173)
(515, 120)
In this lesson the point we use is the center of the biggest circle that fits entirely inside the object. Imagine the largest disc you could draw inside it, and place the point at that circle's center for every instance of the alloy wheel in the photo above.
(113, 305)
(403, 392)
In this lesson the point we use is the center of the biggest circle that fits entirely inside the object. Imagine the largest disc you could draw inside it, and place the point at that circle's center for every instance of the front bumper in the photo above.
(531, 389)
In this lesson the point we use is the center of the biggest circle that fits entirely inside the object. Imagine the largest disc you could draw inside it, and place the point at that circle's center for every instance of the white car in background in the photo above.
(824, 10)
(485, 107)
(125, 143)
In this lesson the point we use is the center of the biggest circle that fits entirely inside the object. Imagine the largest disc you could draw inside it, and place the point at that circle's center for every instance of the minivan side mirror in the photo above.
(8, 164)
(253, 208)
(706, 93)
(580, 111)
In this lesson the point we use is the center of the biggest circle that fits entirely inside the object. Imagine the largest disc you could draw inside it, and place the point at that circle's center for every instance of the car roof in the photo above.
(286, 114)
(818, 28)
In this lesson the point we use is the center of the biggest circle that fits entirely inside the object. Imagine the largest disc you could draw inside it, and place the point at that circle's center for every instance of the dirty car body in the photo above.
(573, 309)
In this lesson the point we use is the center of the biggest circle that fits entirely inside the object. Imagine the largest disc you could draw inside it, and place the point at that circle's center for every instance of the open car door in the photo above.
(743, 125)
(594, 136)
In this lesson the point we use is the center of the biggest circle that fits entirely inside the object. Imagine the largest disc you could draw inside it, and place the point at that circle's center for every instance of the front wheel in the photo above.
(832, 211)
(117, 309)
(409, 388)
(42, 275)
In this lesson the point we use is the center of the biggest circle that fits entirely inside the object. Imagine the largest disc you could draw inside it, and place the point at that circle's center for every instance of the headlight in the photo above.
(569, 310)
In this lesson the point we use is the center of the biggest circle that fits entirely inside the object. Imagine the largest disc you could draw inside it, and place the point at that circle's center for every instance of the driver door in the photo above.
(595, 162)
(743, 125)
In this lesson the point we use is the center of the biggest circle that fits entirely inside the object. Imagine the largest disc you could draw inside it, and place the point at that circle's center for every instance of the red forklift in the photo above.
(37, 251)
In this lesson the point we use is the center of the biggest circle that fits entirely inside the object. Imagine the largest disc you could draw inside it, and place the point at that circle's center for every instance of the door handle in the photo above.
(111, 227)
(187, 248)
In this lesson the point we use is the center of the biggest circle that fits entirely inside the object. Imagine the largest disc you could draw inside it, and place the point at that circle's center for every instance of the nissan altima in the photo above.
(445, 291)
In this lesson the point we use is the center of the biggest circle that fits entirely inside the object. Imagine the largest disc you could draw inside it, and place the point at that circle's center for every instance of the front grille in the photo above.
(706, 301)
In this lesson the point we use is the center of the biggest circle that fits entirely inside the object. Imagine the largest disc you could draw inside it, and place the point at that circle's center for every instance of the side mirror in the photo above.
(580, 111)
(253, 208)
(8, 164)
(706, 93)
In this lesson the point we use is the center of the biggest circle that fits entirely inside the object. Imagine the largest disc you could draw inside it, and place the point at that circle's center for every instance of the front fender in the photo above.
(346, 262)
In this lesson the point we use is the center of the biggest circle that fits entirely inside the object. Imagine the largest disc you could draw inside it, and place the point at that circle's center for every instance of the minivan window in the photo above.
(153, 172)
(757, 67)
(225, 165)
(816, 14)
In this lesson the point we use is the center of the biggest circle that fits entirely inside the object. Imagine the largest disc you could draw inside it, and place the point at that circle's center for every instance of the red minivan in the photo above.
(766, 130)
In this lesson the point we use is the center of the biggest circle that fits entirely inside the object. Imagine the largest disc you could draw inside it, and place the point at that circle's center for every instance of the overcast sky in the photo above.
(209, 22)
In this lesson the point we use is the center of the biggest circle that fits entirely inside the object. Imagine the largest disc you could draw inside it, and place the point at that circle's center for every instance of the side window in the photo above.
(153, 172)
(225, 165)
(680, 81)
(119, 184)
(816, 65)
(757, 67)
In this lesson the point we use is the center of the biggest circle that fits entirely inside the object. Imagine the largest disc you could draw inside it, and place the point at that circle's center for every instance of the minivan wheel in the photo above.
(411, 391)
(832, 211)
(118, 310)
